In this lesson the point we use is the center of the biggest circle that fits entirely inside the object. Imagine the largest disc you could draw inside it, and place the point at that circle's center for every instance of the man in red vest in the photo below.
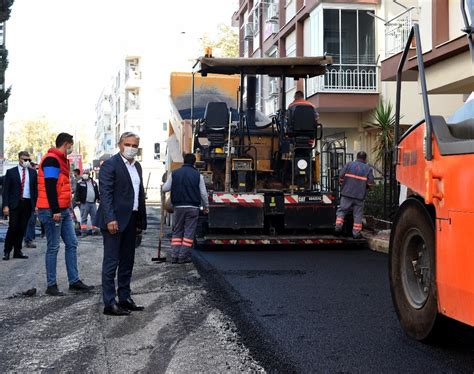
(54, 203)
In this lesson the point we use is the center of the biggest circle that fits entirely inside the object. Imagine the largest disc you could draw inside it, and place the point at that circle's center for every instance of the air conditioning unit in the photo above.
(248, 32)
(272, 13)
(274, 88)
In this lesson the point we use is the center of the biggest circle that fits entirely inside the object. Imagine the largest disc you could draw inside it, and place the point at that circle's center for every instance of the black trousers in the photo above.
(18, 221)
(119, 257)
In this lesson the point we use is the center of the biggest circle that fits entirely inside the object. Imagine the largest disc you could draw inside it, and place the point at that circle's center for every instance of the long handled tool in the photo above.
(158, 257)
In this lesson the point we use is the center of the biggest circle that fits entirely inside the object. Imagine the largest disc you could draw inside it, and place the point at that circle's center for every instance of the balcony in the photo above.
(396, 32)
(133, 79)
(345, 79)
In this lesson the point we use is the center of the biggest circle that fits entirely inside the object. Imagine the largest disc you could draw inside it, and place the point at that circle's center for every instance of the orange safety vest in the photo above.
(63, 186)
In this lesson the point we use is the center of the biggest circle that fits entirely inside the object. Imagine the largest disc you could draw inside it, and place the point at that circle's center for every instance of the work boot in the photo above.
(357, 235)
(80, 287)
(54, 291)
(185, 260)
(30, 245)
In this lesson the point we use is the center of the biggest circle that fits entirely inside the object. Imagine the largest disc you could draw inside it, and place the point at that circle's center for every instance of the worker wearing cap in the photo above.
(356, 177)
(188, 193)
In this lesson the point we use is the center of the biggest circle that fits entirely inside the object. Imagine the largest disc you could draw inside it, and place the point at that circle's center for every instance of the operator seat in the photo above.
(301, 120)
(216, 123)
(462, 130)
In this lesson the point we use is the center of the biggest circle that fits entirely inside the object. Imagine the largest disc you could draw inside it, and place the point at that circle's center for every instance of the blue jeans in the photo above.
(30, 229)
(54, 231)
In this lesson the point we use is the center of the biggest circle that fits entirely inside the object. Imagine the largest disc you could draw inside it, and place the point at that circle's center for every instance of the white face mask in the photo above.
(85, 177)
(130, 152)
(68, 151)
(26, 164)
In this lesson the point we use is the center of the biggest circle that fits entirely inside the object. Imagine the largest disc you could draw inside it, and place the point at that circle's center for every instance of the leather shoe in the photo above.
(19, 255)
(115, 310)
(129, 304)
(6, 256)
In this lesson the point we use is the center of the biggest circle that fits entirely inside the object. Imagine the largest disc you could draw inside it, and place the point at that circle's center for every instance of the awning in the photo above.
(292, 67)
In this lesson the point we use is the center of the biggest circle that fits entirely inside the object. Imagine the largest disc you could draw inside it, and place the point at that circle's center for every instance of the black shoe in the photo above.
(338, 230)
(80, 287)
(115, 310)
(54, 291)
(19, 255)
(185, 260)
(130, 305)
(30, 245)
(174, 260)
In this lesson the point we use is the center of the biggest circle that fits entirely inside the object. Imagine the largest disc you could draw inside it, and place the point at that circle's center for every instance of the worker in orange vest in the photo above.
(54, 204)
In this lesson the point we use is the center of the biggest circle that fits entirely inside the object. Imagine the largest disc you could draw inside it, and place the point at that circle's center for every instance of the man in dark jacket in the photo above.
(20, 192)
(356, 177)
(86, 196)
(121, 216)
(188, 193)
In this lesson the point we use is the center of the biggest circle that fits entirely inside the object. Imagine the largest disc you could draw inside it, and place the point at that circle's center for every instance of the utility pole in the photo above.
(5, 11)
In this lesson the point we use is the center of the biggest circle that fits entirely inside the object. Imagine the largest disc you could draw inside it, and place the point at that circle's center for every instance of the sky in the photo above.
(63, 52)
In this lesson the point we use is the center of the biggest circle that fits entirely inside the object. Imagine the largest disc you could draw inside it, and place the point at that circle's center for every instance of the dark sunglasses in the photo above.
(26, 159)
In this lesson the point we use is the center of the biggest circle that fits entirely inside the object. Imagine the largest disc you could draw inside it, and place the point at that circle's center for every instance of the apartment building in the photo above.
(104, 135)
(133, 101)
(365, 38)
(448, 64)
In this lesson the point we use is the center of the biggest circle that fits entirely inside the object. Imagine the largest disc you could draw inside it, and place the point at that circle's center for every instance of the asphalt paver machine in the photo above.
(263, 174)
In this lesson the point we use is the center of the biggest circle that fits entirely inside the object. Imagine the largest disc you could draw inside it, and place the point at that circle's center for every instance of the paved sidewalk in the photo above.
(182, 329)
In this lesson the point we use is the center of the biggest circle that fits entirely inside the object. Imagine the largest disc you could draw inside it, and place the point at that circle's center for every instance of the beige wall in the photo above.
(412, 104)
(455, 19)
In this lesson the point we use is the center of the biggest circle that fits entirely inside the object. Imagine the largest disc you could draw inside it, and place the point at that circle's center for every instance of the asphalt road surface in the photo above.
(326, 311)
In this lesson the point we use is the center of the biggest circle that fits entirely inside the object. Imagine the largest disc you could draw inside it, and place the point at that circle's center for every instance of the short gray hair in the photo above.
(128, 134)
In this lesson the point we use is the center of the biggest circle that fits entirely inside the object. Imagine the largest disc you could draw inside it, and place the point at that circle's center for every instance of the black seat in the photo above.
(301, 119)
(216, 116)
(449, 144)
(462, 130)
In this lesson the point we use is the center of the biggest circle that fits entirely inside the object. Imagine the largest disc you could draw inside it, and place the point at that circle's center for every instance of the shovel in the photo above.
(158, 257)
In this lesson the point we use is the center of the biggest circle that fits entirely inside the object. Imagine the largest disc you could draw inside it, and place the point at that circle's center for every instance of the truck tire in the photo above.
(412, 270)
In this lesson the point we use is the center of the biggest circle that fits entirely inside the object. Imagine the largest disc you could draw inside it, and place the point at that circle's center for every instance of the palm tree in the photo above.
(383, 121)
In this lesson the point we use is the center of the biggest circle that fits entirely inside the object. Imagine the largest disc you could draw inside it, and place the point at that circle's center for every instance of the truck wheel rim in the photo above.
(416, 270)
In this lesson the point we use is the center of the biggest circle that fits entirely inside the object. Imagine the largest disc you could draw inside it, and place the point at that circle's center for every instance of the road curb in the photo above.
(378, 245)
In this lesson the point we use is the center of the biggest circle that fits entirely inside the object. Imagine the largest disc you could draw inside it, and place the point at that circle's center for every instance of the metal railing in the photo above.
(345, 79)
(396, 32)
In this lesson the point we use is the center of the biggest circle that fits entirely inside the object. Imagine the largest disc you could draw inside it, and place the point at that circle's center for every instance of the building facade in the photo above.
(448, 64)
(133, 101)
(365, 38)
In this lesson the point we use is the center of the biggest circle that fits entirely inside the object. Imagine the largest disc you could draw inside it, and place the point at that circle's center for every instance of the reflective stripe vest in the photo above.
(355, 177)
(63, 186)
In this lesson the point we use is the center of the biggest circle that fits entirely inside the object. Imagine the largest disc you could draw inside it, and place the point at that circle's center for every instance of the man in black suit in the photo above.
(121, 216)
(20, 192)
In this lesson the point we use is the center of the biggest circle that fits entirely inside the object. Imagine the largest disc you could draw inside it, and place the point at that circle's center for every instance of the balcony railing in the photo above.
(396, 32)
(358, 79)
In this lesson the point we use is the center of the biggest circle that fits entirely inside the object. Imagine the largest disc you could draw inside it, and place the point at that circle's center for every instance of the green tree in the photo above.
(225, 43)
(34, 136)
